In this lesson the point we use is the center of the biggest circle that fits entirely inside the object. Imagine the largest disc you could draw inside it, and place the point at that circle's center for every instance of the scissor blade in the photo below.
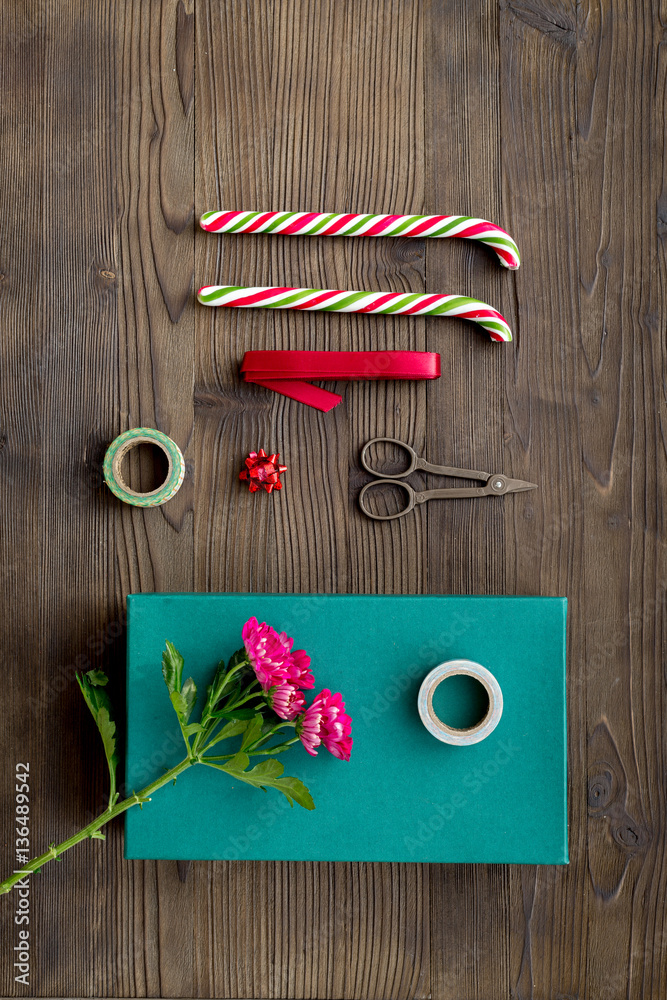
(519, 486)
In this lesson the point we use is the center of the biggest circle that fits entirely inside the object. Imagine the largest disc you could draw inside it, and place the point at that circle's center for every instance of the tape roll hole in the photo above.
(461, 702)
(142, 467)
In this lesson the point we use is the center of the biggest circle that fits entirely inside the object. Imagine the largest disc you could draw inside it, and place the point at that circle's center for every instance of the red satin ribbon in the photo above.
(289, 372)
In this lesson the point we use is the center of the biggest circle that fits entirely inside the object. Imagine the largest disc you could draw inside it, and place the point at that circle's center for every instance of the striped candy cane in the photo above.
(382, 303)
(329, 224)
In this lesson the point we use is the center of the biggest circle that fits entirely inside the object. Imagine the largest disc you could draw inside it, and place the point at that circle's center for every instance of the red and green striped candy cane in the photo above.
(349, 224)
(372, 303)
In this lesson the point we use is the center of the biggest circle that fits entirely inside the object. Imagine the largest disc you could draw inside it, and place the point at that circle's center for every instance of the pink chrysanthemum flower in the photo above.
(326, 722)
(267, 652)
(308, 728)
(299, 669)
(286, 701)
(272, 659)
(336, 726)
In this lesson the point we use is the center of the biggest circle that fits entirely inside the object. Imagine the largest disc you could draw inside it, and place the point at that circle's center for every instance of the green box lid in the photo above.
(403, 796)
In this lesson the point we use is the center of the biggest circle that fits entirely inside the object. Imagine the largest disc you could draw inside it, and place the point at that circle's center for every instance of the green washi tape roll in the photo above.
(114, 458)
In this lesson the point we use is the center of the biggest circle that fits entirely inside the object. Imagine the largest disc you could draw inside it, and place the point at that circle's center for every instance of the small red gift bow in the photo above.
(380, 303)
(262, 471)
(350, 224)
(289, 372)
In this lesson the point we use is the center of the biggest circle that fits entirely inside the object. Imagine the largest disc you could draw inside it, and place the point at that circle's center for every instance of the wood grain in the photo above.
(120, 124)
(467, 543)
(329, 929)
(154, 548)
(61, 342)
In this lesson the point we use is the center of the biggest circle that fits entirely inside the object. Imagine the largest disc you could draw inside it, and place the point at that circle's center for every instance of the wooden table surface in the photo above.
(121, 122)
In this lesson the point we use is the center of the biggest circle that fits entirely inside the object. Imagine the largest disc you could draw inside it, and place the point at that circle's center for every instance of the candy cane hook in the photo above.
(372, 303)
(329, 224)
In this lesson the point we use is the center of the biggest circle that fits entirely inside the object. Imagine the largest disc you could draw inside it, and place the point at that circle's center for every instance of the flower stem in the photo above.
(252, 752)
(207, 718)
(89, 831)
(249, 697)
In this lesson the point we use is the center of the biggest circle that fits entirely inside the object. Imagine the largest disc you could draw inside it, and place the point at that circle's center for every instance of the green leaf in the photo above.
(269, 774)
(189, 695)
(176, 699)
(194, 727)
(214, 690)
(233, 728)
(91, 691)
(97, 678)
(235, 713)
(281, 748)
(266, 771)
(99, 703)
(238, 763)
(183, 696)
(230, 693)
(172, 668)
(107, 728)
(184, 701)
(294, 790)
(238, 657)
(253, 733)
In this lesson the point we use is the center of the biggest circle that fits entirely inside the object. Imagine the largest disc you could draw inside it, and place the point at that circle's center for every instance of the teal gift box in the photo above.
(404, 795)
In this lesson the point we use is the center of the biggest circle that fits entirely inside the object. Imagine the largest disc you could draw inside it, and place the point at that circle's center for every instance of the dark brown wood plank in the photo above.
(154, 913)
(539, 119)
(103, 202)
(61, 263)
(466, 427)
(22, 77)
(620, 394)
(272, 137)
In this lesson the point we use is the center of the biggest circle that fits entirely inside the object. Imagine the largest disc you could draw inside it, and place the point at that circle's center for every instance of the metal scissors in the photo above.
(495, 484)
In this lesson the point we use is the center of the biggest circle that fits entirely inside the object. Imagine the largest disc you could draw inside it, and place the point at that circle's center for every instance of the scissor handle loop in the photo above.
(387, 482)
(387, 475)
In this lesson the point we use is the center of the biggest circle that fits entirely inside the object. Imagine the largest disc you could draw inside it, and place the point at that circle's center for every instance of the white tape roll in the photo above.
(438, 728)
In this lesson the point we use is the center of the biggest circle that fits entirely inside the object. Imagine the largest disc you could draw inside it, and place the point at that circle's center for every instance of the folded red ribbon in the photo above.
(289, 372)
